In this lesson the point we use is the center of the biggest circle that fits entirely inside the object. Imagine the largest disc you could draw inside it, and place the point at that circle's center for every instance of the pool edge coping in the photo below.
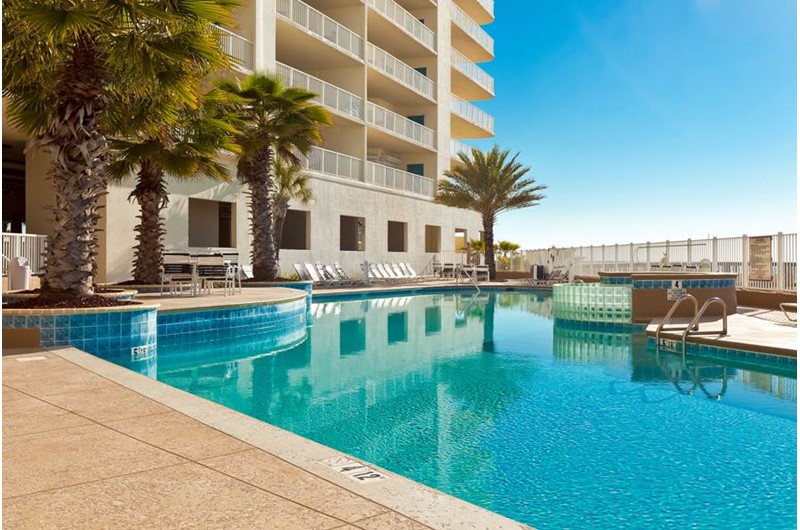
(412, 499)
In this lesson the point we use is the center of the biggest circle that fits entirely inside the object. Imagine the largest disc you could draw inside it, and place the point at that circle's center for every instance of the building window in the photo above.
(211, 223)
(397, 237)
(416, 169)
(397, 324)
(460, 239)
(417, 118)
(352, 233)
(423, 70)
(296, 230)
(433, 238)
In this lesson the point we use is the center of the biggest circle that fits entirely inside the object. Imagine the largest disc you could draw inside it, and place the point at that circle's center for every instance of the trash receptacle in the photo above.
(19, 274)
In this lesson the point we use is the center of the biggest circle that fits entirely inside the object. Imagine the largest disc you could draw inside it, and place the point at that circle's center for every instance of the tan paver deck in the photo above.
(251, 295)
(88, 444)
(760, 330)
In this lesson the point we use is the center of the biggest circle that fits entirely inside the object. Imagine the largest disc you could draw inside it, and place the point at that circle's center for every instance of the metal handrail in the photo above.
(696, 322)
(671, 312)
(460, 269)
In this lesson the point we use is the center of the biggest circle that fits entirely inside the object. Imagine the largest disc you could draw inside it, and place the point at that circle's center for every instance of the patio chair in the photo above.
(333, 273)
(555, 276)
(414, 274)
(178, 272)
(213, 271)
(340, 272)
(404, 274)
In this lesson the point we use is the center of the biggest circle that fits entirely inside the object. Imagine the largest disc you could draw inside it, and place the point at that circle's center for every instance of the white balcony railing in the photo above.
(472, 28)
(398, 125)
(473, 71)
(322, 26)
(333, 163)
(472, 114)
(400, 71)
(325, 162)
(237, 47)
(29, 246)
(488, 5)
(397, 179)
(457, 147)
(338, 100)
(405, 21)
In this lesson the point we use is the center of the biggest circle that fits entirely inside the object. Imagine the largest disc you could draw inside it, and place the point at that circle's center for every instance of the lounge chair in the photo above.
(341, 280)
(302, 272)
(315, 277)
(555, 276)
(789, 307)
(343, 275)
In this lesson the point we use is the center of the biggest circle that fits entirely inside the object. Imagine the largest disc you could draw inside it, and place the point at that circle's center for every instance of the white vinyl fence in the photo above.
(30, 246)
(725, 254)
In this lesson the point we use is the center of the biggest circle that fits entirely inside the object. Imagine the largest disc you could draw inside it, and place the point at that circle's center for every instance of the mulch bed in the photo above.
(66, 302)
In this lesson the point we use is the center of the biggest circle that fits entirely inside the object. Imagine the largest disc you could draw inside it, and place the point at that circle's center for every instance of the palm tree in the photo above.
(278, 122)
(475, 247)
(489, 184)
(66, 62)
(188, 150)
(505, 250)
(292, 184)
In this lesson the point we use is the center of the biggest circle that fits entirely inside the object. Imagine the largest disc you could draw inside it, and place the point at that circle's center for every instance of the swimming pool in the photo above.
(485, 398)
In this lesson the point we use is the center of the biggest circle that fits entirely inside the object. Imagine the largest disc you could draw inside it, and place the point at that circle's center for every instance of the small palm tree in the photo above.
(504, 251)
(66, 62)
(278, 122)
(476, 246)
(188, 150)
(292, 184)
(489, 184)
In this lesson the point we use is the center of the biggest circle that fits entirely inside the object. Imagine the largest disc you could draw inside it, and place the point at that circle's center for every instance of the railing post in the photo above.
(666, 251)
(647, 256)
(745, 261)
(714, 255)
(591, 259)
(781, 279)
(616, 256)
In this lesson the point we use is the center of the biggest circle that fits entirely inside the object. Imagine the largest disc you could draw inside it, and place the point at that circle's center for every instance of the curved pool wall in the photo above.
(124, 335)
(131, 336)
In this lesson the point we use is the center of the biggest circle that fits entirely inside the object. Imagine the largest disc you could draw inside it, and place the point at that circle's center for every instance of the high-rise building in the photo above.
(398, 77)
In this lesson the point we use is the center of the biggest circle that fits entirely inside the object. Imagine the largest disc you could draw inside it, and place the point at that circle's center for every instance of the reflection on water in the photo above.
(483, 397)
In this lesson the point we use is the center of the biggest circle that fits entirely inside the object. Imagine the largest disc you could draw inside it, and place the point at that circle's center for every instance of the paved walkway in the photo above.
(81, 450)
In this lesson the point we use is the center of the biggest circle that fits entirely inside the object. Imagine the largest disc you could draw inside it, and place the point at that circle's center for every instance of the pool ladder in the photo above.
(694, 326)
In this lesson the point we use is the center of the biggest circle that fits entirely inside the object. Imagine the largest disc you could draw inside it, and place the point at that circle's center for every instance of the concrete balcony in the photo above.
(481, 11)
(397, 179)
(469, 80)
(468, 121)
(470, 38)
(399, 72)
(396, 25)
(339, 101)
(308, 22)
(239, 49)
(399, 127)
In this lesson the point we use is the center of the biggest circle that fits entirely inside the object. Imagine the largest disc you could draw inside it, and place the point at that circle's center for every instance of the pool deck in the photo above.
(91, 444)
(760, 330)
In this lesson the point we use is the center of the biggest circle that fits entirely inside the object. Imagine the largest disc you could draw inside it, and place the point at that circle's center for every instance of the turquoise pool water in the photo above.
(483, 397)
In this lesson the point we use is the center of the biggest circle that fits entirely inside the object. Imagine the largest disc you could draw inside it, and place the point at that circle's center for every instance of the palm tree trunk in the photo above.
(256, 171)
(488, 253)
(281, 207)
(488, 324)
(78, 153)
(271, 247)
(151, 195)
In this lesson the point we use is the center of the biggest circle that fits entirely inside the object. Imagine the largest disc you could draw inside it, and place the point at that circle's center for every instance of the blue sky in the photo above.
(647, 119)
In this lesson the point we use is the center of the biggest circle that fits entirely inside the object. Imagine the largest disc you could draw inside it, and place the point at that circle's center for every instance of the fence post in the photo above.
(781, 280)
(630, 255)
(647, 257)
(580, 254)
(616, 256)
(602, 257)
(688, 251)
(745, 261)
(666, 252)
(591, 259)
(714, 255)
